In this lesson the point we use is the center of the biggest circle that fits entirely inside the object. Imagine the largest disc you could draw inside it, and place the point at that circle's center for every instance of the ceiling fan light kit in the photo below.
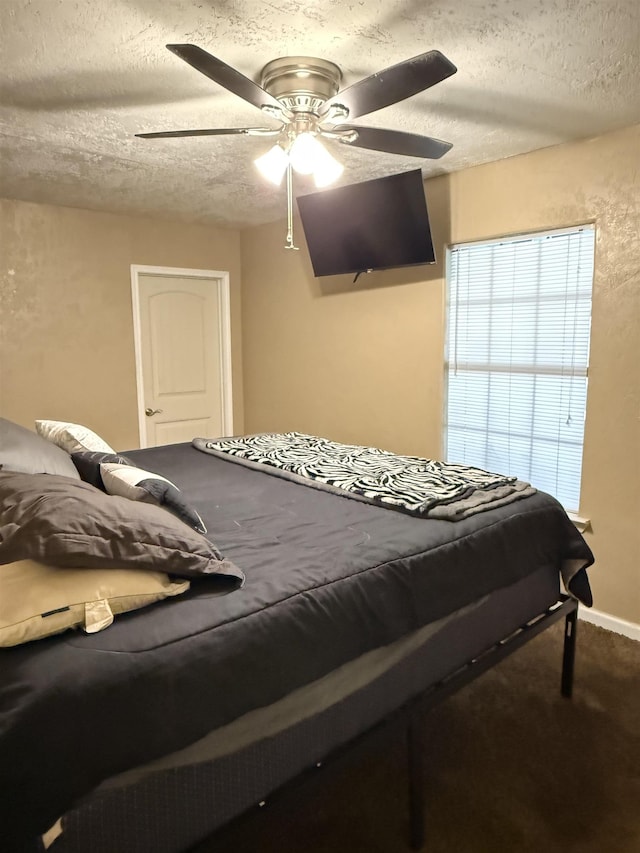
(326, 169)
(273, 164)
(303, 94)
(306, 155)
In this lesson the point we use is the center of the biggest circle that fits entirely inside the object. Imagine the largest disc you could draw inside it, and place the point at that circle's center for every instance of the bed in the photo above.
(155, 733)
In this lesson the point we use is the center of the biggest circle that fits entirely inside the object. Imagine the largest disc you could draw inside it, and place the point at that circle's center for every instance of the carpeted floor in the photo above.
(511, 767)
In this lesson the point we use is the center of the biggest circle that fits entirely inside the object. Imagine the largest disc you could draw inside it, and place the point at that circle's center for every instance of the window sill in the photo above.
(583, 524)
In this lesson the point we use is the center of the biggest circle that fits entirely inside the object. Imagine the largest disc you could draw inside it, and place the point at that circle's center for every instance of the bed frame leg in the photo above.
(569, 653)
(416, 788)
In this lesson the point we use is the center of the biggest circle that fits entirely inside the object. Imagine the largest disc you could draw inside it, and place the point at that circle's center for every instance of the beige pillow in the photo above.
(72, 437)
(38, 601)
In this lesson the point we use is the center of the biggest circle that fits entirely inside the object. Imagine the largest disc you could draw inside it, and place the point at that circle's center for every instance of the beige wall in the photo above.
(359, 362)
(363, 362)
(66, 328)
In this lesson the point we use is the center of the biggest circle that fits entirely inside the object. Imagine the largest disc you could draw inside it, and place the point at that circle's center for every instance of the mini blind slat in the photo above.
(517, 356)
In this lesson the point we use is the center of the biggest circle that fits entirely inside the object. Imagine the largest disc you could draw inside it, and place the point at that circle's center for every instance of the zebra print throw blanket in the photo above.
(422, 487)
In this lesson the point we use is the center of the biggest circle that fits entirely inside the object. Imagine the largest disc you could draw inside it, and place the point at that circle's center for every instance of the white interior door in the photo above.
(182, 325)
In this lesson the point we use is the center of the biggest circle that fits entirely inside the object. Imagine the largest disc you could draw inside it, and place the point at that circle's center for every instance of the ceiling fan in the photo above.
(303, 94)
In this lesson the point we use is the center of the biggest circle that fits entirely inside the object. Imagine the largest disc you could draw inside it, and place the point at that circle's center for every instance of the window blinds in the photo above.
(517, 356)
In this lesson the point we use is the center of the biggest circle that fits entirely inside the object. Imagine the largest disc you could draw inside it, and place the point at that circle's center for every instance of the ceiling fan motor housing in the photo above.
(301, 83)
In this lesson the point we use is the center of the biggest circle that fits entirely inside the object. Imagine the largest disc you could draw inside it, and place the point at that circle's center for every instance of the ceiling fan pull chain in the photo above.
(289, 243)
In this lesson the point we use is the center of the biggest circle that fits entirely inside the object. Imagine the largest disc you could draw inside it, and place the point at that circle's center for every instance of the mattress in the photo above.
(328, 579)
(174, 802)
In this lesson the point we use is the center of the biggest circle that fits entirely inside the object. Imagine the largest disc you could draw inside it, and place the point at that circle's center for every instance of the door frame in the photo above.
(219, 280)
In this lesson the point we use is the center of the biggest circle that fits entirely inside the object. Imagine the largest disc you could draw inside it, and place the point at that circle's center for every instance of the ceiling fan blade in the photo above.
(224, 74)
(397, 142)
(217, 131)
(393, 84)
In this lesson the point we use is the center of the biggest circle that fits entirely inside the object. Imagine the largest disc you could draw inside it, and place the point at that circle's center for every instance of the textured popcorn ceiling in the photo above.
(80, 77)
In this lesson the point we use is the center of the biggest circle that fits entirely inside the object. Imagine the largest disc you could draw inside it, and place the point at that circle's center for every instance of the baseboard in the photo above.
(611, 623)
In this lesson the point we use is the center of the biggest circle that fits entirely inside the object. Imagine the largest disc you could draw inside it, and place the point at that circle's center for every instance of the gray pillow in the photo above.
(21, 449)
(69, 523)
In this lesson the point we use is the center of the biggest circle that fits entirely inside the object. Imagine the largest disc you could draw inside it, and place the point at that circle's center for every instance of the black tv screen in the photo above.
(372, 225)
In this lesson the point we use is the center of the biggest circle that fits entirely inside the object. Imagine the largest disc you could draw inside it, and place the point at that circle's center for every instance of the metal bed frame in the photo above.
(409, 717)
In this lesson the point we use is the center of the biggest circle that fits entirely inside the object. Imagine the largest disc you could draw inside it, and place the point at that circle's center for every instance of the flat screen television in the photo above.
(372, 225)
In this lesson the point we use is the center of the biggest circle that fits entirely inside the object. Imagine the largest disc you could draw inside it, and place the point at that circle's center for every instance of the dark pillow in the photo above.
(135, 483)
(88, 463)
(21, 449)
(68, 523)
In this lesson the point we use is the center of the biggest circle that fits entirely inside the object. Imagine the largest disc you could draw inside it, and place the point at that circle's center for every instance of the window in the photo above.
(517, 356)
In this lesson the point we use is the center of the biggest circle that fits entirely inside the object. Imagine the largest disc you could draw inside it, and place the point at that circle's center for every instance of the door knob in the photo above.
(150, 412)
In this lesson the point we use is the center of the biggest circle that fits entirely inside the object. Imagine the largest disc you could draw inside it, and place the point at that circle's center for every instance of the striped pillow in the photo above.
(128, 481)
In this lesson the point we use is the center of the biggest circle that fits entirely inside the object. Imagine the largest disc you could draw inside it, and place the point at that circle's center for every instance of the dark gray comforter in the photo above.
(327, 579)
